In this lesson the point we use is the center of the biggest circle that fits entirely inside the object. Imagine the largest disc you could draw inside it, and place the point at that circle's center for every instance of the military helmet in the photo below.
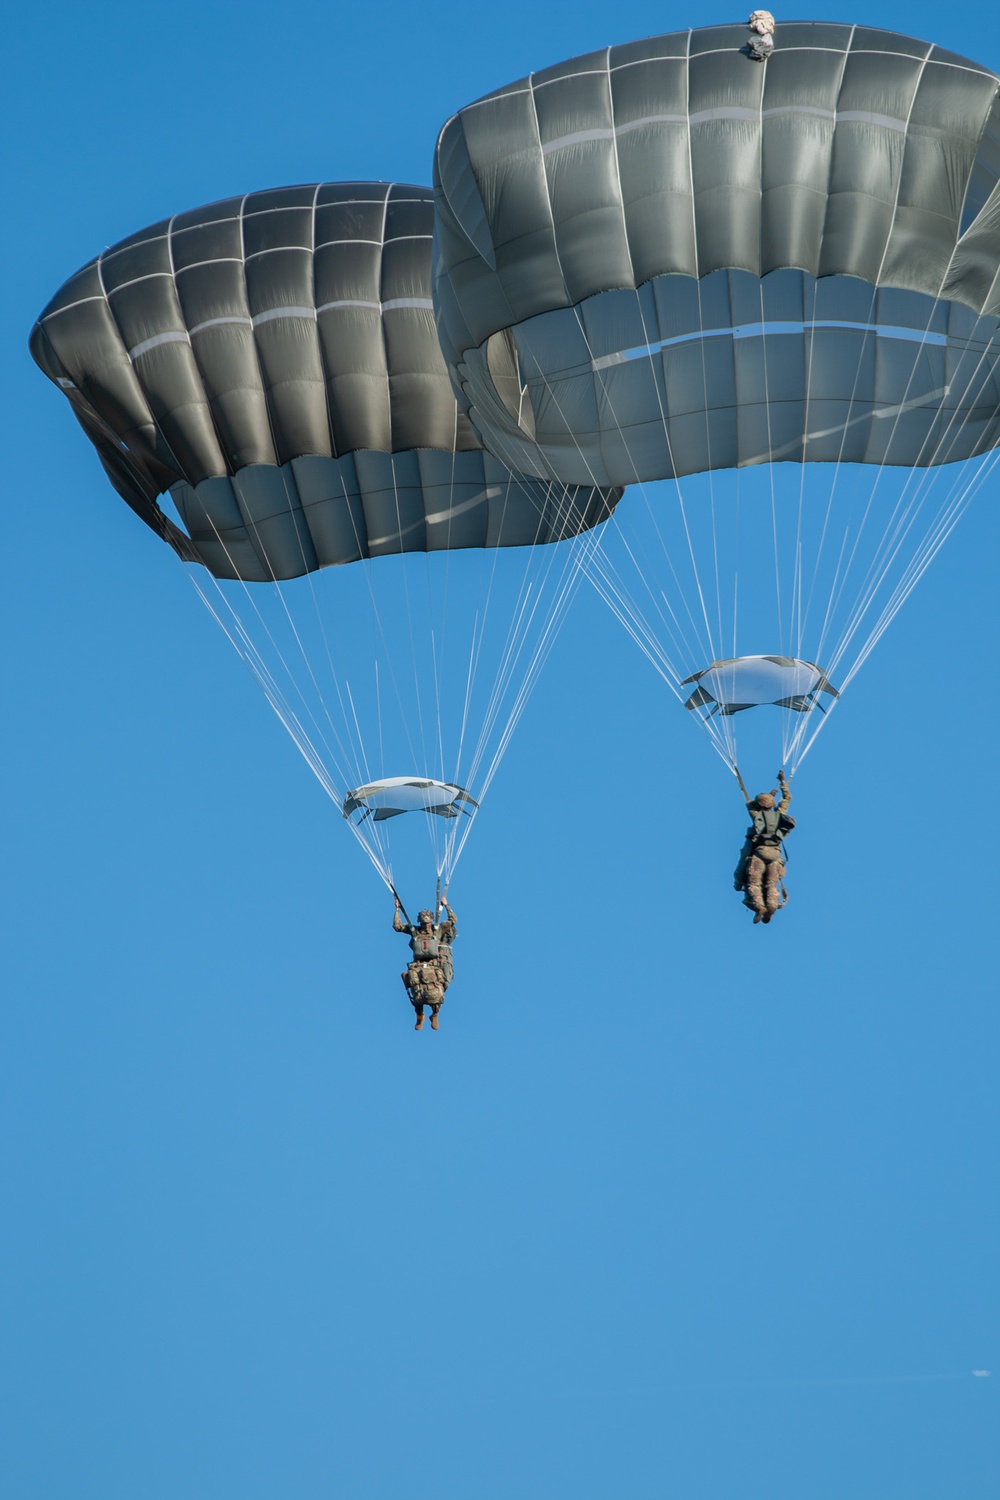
(765, 801)
(425, 916)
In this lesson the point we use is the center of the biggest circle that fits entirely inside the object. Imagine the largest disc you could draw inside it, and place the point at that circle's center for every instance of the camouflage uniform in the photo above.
(427, 977)
(449, 932)
(761, 867)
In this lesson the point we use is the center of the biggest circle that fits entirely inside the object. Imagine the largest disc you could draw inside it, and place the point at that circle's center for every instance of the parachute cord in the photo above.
(402, 908)
(542, 558)
(609, 585)
(721, 737)
(874, 298)
(869, 586)
(254, 660)
(874, 294)
(914, 572)
(279, 701)
(566, 589)
(775, 539)
(561, 556)
(555, 556)
(921, 488)
(269, 635)
(378, 855)
(261, 674)
(499, 684)
(948, 514)
(415, 703)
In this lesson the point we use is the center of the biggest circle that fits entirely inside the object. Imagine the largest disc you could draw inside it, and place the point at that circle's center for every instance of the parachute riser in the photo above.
(406, 914)
(743, 786)
(440, 900)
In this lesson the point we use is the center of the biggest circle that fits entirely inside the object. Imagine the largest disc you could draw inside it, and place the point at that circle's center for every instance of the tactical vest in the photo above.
(767, 826)
(424, 944)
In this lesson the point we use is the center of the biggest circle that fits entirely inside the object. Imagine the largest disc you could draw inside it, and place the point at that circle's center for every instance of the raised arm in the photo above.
(398, 925)
(786, 792)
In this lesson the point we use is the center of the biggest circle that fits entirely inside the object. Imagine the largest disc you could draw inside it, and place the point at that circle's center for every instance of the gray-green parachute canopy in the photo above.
(617, 234)
(272, 361)
(770, 282)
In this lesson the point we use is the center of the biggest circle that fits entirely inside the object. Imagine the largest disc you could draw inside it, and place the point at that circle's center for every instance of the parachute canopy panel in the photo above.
(395, 795)
(273, 362)
(740, 682)
(663, 258)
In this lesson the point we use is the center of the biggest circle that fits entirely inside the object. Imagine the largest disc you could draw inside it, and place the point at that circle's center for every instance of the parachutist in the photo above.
(430, 970)
(761, 868)
(761, 43)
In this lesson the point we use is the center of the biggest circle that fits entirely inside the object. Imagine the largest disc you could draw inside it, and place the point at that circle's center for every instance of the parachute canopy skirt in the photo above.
(664, 258)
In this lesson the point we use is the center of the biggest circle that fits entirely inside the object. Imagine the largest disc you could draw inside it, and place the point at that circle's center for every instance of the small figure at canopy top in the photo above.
(760, 872)
(761, 43)
(430, 970)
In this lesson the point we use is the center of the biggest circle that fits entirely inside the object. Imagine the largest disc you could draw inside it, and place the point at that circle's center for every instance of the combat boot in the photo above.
(434, 1019)
(419, 1022)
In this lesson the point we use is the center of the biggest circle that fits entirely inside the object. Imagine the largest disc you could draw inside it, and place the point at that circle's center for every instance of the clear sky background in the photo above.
(671, 1206)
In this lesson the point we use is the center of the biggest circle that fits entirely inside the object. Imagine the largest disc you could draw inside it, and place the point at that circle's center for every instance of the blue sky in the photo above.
(671, 1206)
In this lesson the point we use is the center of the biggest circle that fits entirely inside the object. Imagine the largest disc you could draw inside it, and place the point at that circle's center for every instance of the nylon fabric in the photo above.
(598, 213)
(273, 362)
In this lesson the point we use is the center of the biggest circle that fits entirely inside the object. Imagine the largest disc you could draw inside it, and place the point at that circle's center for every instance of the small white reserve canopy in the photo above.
(394, 795)
(728, 687)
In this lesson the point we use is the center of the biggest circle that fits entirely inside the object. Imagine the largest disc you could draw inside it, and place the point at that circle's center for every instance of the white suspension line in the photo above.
(252, 602)
(726, 736)
(904, 521)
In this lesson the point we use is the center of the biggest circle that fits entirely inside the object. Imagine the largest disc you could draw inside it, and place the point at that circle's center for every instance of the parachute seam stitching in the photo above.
(618, 170)
(287, 470)
(253, 535)
(902, 163)
(321, 342)
(548, 191)
(206, 404)
(98, 263)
